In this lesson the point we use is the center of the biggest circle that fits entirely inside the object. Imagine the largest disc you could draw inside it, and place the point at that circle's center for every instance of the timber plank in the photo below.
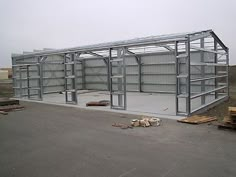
(197, 119)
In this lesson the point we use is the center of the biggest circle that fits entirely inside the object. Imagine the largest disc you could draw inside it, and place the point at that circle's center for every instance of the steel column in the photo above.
(110, 79)
(28, 83)
(227, 70)
(188, 83)
(140, 74)
(203, 98)
(176, 80)
(215, 68)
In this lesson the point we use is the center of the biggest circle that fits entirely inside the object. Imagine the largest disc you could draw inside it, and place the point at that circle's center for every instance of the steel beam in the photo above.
(97, 55)
(219, 41)
(200, 36)
(203, 98)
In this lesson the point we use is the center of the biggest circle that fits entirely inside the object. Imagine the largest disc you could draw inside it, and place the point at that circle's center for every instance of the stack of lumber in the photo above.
(197, 119)
(98, 103)
(7, 105)
(230, 120)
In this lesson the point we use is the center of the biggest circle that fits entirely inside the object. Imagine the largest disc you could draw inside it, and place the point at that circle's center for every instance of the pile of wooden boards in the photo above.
(98, 103)
(197, 119)
(230, 120)
(7, 105)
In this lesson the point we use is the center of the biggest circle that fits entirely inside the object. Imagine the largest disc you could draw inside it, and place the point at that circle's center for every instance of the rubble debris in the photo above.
(135, 123)
(154, 121)
(98, 103)
(143, 122)
(197, 119)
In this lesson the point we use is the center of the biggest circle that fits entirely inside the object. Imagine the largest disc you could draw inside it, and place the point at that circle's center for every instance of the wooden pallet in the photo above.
(98, 103)
(232, 110)
(229, 121)
(6, 101)
(232, 114)
(11, 107)
(197, 119)
(226, 124)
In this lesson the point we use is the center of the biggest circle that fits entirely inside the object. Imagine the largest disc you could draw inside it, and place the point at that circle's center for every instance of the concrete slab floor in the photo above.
(150, 104)
(51, 141)
(160, 105)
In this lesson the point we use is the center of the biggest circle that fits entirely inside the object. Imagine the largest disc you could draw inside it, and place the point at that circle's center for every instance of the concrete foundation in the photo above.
(150, 104)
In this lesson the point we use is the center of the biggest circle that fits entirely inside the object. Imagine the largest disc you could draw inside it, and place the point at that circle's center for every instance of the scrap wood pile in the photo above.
(197, 119)
(98, 103)
(229, 122)
(7, 105)
(143, 122)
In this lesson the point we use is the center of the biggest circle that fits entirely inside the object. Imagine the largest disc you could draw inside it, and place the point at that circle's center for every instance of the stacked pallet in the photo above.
(7, 105)
(230, 120)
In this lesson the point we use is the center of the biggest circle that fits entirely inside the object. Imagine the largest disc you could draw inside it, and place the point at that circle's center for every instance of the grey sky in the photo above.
(35, 24)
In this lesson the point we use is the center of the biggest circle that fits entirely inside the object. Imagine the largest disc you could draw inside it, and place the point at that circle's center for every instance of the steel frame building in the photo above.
(192, 66)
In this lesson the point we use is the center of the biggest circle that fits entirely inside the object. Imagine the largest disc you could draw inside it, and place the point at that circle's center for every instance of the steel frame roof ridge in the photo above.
(116, 44)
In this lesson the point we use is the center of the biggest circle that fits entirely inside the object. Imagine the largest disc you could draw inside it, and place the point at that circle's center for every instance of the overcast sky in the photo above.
(35, 24)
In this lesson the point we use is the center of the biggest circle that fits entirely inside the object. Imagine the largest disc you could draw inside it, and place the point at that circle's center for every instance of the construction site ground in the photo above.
(49, 141)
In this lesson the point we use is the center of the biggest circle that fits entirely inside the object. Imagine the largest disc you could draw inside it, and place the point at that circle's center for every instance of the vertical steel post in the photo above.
(74, 80)
(28, 82)
(14, 81)
(176, 80)
(110, 74)
(124, 78)
(119, 80)
(20, 80)
(40, 80)
(83, 74)
(140, 74)
(203, 98)
(108, 78)
(227, 70)
(65, 75)
(215, 68)
(188, 84)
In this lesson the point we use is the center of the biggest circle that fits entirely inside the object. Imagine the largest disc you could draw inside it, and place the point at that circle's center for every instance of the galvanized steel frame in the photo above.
(161, 41)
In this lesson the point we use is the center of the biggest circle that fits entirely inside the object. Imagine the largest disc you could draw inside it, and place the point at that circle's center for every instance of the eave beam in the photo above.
(199, 36)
